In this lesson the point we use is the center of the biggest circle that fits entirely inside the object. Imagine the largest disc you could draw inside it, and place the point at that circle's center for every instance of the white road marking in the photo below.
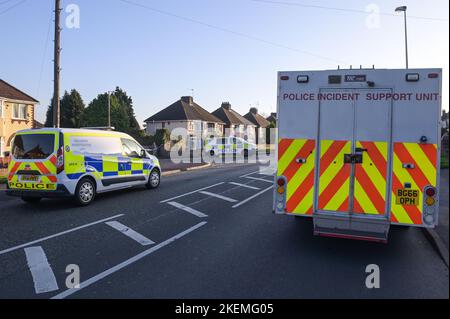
(252, 197)
(244, 185)
(256, 172)
(193, 192)
(43, 276)
(144, 241)
(58, 234)
(126, 263)
(259, 179)
(227, 199)
(188, 209)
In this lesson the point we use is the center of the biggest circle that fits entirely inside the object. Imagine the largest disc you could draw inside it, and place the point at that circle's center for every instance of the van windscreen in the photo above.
(33, 146)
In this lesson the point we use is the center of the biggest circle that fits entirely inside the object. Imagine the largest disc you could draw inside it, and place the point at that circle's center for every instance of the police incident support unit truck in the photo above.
(358, 150)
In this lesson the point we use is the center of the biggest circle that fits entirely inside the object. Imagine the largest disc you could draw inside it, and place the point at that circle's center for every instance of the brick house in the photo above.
(16, 113)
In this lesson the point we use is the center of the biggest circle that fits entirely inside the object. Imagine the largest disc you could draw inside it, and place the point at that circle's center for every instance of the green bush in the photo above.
(161, 137)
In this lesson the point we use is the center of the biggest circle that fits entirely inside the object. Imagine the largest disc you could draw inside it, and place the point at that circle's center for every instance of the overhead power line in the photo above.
(240, 34)
(313, 6)
(11, 7)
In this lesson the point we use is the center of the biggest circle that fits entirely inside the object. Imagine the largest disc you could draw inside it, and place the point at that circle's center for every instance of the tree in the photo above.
(122, 113)
(72, 107)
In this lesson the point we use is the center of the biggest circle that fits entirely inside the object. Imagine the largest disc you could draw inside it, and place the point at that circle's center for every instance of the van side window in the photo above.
(131, 148)
(96, 145)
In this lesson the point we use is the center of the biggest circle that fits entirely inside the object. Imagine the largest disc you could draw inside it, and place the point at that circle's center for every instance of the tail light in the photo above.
(430, 192)
(429, 205)
(60, 155)
(280, 203)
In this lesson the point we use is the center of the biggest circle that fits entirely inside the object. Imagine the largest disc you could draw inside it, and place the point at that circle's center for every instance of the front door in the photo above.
(354, 141)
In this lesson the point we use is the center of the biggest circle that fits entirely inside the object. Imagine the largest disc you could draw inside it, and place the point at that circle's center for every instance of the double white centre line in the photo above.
(144, 241)
(43, 276)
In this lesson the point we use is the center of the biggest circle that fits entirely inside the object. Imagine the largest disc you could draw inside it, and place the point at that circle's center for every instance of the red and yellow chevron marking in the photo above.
(47, 169)
(424, 159)
(370, 179)
(334, 176)
(300, 176)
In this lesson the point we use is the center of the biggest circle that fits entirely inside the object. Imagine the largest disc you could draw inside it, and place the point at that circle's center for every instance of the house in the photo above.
(186, 114)
(260, 122)
(16, 113)
(272, 118)
(235, 124)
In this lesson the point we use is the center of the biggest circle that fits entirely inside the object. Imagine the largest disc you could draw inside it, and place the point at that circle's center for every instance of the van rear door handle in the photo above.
(360, 150)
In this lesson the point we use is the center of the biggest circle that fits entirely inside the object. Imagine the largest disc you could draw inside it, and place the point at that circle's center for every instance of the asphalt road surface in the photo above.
(202, 234)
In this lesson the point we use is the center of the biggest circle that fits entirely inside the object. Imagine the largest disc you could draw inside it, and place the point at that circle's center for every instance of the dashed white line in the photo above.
(252, 197)
(227, 199)
(43, 276)
(58, 234)
(126, 263)
(193, 192)
(144, 241)
(259, 179)
(188, 209)
(244, 185)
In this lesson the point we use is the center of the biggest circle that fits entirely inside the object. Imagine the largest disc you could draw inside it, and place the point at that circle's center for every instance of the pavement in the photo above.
(206, 233)
(169, 167)
(442, 228)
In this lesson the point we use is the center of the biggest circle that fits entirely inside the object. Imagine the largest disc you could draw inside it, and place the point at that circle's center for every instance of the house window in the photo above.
(20, 111)
(163, 125)
(211, 125)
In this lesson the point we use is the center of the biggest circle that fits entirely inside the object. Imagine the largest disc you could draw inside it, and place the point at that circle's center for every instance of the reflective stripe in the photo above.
(370, 179)
(300, 176)
(334, 178)
(424, 159)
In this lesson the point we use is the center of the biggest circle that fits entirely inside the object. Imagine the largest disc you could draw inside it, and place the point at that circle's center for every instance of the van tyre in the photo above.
(31, 200)
(154, 179)
(85, 192)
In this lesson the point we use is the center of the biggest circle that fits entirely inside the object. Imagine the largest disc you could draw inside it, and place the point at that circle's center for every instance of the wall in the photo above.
(9, 125)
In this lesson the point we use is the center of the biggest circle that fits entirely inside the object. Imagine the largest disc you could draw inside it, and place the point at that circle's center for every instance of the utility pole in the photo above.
(109, 110)
(56, 63)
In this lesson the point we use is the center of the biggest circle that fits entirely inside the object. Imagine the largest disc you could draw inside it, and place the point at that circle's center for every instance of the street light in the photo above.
(403, 9)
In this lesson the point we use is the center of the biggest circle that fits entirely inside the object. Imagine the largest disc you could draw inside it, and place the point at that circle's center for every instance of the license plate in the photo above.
(407, 197)
(30, 178)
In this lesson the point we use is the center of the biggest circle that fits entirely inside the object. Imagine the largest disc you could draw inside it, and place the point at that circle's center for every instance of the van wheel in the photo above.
(85, 192)
(31, 200)
(154, 179)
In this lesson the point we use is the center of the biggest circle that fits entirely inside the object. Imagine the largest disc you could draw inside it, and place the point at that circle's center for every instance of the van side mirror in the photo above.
(143, 154)
(6, 154)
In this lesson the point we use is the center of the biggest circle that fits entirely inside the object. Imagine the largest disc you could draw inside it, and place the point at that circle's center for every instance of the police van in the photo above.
(358, 150)
(77, 163)
(229, 145)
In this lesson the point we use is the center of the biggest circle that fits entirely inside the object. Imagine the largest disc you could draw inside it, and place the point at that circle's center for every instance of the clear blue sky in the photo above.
(159, 57)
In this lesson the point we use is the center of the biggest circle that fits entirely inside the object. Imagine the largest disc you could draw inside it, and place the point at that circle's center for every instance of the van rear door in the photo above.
(33, 161)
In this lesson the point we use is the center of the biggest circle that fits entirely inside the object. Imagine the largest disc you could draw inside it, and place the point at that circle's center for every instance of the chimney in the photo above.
(188, 99)
(254, 110)
(273, 115)
(226, 105)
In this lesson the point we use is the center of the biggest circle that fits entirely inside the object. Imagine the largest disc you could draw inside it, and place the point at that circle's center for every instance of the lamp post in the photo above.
(403, 9)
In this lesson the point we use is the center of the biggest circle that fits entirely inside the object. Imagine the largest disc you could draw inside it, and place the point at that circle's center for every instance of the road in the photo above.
(185, 240)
